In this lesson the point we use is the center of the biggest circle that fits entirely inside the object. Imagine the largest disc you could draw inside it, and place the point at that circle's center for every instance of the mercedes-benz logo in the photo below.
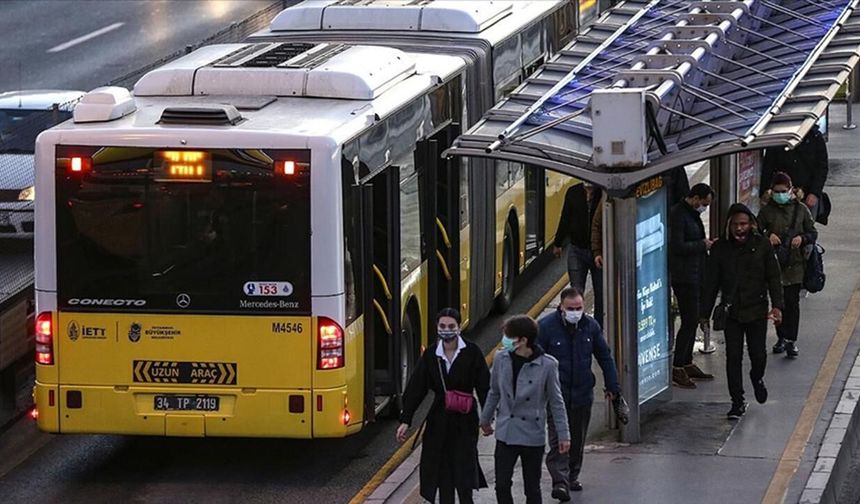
(183, 300)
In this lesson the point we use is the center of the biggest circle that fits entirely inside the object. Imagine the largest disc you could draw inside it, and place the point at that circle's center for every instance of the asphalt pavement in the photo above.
(82, 44)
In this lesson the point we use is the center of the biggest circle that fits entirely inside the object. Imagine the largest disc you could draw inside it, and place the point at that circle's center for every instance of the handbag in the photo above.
(783, 250)
(455, 400)
(721, 312)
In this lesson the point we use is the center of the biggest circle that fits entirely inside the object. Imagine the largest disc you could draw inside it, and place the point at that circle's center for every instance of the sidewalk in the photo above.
(690, 451)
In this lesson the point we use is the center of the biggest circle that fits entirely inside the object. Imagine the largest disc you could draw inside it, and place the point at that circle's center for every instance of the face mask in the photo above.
(701, 209)
(781, 198)
(508, 344)
(572, 316)
(448, 334)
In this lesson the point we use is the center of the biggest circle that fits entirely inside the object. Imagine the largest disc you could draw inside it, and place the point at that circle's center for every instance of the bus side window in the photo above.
(507, 66)
(351, 238)
(564, 26)
(410, 215)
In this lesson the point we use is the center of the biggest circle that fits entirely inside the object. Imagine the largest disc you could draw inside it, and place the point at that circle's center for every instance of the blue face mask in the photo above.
(508, 344)
(781, 198)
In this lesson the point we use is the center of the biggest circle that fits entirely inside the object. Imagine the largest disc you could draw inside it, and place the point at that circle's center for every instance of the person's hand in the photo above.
(556, 251)
(774, 240)
(704, 324)
(811, 200)
(796, 242)
(563, 446)
(401, 432)
(708, 243)
(609, 396)
(776, 316)
(487, 429)
(598, 261)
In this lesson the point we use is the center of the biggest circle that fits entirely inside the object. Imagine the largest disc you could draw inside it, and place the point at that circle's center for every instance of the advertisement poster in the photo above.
(587, 11)
(652, 293)
(749, 176)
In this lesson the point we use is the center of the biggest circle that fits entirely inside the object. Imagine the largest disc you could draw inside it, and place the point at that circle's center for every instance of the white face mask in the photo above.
(572, 316)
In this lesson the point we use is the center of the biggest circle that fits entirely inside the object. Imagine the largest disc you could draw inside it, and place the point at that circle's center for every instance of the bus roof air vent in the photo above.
(224, 115)
(452, 16)
(283, 55)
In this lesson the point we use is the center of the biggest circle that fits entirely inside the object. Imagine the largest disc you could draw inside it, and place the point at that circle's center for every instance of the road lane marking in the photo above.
(406, 448)
(793, 453)
(84, 38)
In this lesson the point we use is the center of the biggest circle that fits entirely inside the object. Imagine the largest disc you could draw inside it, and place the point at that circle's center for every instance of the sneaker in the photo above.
(737, 411)
(559, 492)
(760, 391)
(791, 350)
(693, 371)
(680, 378)
(576, 486)
(780, 346)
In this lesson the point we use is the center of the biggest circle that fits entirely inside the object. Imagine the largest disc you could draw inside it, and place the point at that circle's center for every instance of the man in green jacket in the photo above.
(743, 268)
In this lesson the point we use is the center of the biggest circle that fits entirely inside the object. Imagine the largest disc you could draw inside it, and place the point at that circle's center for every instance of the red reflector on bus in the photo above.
(51, 398)
(319, 403)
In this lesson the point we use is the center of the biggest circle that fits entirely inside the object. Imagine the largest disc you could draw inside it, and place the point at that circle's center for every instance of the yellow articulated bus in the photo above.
(255, 241)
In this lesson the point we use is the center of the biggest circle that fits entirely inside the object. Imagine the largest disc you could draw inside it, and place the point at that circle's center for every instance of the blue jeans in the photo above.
(580, 262)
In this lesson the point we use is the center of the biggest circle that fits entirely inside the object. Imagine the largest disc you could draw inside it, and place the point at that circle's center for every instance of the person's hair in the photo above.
(700, 190)
(448, 312)
(781, 178)
(570, 292)
(521, 326)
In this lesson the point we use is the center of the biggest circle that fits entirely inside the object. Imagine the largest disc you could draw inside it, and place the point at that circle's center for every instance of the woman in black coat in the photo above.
(449, 454)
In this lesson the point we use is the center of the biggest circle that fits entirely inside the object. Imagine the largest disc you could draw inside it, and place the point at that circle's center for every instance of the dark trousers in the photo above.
(756, 333)
(688, 306)
(564, 468)
(580, 262)
(506, 458)
(791, 314)
(447, 476)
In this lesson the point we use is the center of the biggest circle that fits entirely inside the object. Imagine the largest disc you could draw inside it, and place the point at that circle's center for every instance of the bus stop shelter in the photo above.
(653, 86)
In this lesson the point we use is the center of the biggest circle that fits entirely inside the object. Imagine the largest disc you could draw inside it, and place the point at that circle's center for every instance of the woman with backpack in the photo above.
(789, 226)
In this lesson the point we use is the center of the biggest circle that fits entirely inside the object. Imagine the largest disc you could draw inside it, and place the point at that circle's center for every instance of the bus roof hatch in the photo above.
(452, 16)
(281, 69)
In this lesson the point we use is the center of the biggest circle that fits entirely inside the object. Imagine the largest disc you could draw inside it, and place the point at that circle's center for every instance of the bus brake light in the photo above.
(330, 344)
(44, 339)
(79, 164)
(285, 167)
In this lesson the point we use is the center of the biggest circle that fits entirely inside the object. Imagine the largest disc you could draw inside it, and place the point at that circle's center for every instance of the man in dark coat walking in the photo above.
(688, 249)
(574, 339)
(806, 164)
(574, 228)
(744, 269)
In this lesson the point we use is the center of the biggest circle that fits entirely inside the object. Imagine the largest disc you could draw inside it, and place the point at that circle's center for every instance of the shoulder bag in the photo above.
(721, 312)
(783, 250)
(455, 401)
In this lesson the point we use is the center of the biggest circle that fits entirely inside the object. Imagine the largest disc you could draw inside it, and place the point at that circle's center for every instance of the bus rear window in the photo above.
(221, 230)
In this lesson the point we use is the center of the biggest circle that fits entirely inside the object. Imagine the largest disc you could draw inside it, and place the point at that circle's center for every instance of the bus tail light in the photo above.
(346, 417)
(80, 164)
(285, 167)
(44, 339)
(330, 344)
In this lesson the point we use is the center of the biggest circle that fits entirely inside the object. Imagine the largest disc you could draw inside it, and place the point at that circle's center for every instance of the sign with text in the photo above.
(652, 292)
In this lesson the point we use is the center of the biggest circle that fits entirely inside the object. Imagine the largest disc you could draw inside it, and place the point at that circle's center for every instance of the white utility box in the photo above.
(619, 133)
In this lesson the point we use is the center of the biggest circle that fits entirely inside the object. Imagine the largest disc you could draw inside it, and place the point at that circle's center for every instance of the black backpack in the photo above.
(813, 276)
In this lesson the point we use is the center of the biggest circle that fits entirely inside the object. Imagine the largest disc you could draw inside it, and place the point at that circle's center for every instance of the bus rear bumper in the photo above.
(241, 412)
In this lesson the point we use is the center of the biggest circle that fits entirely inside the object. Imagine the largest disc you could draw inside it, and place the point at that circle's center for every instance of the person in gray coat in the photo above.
(523, 381)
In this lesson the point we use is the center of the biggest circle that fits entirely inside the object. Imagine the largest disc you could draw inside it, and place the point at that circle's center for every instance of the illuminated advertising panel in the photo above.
(652, 290)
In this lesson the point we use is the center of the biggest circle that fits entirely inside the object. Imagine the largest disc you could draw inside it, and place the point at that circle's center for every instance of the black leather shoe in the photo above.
(576, 486)
(560, 492)
(760, 391)
(779, 347)
(791, 350)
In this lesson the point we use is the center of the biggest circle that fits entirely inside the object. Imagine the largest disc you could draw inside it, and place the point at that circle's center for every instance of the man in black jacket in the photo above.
(688, 248)
(806, 164)
(744, 269)
(574, 227)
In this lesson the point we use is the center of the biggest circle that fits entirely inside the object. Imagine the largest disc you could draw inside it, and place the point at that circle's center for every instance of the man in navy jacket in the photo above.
(573, 338)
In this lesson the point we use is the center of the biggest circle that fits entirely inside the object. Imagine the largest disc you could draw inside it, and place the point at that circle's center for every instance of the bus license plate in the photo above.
(187, 403)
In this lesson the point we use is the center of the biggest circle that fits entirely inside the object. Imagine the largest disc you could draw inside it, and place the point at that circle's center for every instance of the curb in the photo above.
(842, 436)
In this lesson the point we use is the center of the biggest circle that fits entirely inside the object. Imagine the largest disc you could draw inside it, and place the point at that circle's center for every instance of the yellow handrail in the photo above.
(381, 278)
(382, 315)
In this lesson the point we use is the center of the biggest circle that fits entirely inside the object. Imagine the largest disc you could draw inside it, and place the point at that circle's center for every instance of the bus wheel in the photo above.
(503, 300)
